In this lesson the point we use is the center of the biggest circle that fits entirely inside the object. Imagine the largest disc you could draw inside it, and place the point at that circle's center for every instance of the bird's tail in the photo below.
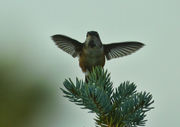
(87, 73)
(86, 76)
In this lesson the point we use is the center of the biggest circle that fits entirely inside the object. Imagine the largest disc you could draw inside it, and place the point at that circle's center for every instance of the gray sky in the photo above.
(26, 27)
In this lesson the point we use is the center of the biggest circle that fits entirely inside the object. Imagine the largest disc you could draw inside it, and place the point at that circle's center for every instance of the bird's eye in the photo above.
(87, 34)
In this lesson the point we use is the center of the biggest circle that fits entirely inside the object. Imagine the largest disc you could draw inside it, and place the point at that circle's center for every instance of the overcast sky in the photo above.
(26, 27)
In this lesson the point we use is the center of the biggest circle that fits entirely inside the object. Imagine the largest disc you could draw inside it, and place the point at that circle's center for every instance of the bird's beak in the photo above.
(91, 44)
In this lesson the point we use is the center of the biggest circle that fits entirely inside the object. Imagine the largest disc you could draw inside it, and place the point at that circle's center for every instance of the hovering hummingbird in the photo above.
(93, 52)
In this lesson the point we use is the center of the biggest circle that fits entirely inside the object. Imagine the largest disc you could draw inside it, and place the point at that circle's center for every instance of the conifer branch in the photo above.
(122, 107)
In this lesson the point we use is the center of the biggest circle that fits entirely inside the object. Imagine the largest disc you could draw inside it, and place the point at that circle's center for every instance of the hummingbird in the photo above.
(93, 52)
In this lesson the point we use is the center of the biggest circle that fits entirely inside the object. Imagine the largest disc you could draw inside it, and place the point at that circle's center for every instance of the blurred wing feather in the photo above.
(67, 44)
(121, 49)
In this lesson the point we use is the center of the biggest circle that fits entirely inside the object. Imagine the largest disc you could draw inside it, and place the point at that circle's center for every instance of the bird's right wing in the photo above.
(67, 44)
(120, 49)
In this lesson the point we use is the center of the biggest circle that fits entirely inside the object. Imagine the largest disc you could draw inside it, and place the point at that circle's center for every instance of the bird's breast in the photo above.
(91, 57)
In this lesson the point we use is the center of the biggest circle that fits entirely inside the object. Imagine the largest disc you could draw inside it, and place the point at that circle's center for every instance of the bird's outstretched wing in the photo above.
(67, 44)
(116, 50)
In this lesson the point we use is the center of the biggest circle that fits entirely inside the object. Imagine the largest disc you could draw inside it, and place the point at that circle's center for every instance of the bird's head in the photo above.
(93, 40)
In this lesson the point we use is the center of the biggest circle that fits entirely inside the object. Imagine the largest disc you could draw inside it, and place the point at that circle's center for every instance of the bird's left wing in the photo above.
(67, 44)
(120, 49)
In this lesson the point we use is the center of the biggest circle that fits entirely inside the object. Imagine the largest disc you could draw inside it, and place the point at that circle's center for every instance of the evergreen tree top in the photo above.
(119, 107)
